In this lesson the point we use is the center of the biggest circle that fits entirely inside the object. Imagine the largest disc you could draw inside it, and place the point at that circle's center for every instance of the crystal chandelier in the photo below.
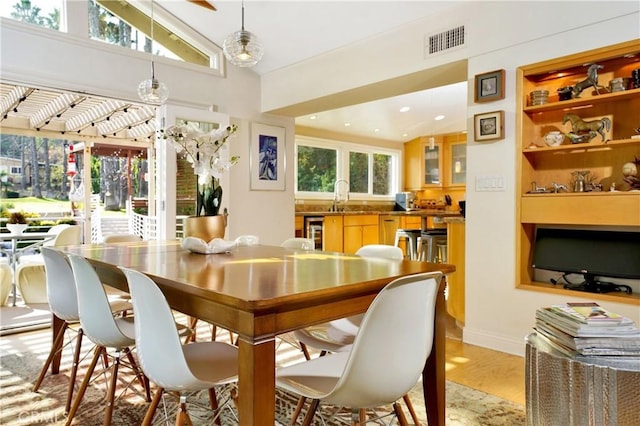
(242, 48)
(152, 91)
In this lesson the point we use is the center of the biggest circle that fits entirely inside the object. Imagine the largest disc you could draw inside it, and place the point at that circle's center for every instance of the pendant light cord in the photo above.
(153, 71)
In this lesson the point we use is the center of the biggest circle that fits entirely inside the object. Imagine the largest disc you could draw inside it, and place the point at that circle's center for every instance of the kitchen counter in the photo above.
(422, 212)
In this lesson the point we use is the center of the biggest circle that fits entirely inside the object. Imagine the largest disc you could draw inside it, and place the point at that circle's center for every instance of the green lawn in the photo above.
(44, 206)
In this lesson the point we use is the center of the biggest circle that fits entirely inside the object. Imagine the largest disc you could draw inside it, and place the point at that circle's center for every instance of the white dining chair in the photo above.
(299, 243)
(6, 279)
(121, 238)
(397, 330)
(106, 332)
(338, 335)
(63, 302)
(168, 363)
(247, 240)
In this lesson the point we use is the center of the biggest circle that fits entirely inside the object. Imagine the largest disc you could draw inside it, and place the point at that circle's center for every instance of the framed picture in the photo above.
(267, 162)
(488, 126)
(489, 86)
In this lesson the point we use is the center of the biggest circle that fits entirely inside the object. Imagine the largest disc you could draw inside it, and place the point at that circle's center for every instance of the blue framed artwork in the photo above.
(267, 157)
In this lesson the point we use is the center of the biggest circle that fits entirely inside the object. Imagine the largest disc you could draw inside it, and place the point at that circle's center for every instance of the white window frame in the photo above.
(342, 167)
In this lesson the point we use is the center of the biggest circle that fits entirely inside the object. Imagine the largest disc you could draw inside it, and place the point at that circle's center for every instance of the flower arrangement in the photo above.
(209, 155)
(17, 218)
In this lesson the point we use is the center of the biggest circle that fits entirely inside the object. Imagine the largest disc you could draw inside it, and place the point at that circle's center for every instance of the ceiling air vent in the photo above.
(444, 40)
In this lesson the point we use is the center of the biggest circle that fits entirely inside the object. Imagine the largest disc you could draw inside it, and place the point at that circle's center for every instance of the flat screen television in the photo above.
(594, 254)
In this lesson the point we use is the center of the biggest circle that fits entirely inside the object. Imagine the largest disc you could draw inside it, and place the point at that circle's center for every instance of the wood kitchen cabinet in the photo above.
(359, 230)
(438, 165)
(333, 233)
(541, 166)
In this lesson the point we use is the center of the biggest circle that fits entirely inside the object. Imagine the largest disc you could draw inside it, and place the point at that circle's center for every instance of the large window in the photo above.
(371, 172)
(44, 13)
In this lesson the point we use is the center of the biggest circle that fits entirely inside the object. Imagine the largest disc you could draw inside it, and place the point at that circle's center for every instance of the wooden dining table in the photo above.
(262, 291)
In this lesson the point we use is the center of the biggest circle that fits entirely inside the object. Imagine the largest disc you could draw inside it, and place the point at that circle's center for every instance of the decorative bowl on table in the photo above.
(16, 228)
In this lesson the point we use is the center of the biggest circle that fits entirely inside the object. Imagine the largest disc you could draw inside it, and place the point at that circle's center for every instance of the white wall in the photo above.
(501, 35)
(37, 56)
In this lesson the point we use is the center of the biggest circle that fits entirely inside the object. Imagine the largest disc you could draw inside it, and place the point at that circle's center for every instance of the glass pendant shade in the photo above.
(153, 92)
(242, 49)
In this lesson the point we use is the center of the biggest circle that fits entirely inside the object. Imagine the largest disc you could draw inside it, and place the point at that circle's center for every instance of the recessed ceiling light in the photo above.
(376, 130)
(405, 109)
(439, 117)
(313, 117)
(347, 124)
(404, 135)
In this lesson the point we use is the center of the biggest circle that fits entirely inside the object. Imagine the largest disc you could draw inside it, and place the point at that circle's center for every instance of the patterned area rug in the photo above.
(22, 358)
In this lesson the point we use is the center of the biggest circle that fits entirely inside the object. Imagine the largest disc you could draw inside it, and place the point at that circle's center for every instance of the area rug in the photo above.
(21, 360)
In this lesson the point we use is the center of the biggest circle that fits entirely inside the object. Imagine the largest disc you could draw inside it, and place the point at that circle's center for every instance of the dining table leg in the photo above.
(256, 381)
(433, 375)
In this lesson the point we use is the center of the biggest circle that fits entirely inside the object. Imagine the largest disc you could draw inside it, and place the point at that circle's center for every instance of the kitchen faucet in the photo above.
(337, 194)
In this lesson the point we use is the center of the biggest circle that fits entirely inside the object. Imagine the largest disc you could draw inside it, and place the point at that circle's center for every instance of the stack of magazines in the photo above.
(587, 330)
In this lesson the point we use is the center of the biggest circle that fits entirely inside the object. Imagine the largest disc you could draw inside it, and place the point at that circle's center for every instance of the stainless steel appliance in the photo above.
(313, 229)
(404, 201)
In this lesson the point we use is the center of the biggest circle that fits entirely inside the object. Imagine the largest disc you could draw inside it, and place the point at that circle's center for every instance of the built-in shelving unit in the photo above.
(541, 166)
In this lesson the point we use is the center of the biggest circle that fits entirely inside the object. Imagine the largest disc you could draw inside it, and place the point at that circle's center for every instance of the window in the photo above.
(16, 170)
(372, 172)
(44, 13)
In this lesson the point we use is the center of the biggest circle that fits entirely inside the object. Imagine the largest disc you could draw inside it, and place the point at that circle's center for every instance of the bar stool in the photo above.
(410, 236)
(432, 246)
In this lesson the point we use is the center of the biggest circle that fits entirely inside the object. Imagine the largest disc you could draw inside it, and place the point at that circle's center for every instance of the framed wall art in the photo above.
(267, 162)
(488, 126)
(489, 86)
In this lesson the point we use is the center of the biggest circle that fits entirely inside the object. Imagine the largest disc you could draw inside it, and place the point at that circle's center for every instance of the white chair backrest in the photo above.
(55, 230)
(247, 240)
(381, 251)
(61, 288)
(6, 277)
(157, 342)
(396, 330)
(96, 317)
(121, 238)
(68, 236)
(299, 243)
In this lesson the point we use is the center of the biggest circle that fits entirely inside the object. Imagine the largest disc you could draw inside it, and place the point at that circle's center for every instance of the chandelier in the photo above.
(242, 47)
(152, 91)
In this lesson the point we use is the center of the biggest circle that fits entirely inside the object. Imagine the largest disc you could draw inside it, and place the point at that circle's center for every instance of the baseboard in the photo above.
(493, 341)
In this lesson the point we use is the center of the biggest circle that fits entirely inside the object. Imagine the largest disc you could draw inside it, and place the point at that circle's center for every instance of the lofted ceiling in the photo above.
(291, 31)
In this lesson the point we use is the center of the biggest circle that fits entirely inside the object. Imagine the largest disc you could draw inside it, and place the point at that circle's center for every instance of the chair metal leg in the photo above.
(74, 370)
(144, 381)
(193, 323)
(151, 411)
(99, 351)
(412, 411)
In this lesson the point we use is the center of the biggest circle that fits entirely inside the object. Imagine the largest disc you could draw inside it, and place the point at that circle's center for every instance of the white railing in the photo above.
(146, 227)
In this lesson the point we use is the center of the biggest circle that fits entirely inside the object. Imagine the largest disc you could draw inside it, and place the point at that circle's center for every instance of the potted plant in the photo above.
(17, 223)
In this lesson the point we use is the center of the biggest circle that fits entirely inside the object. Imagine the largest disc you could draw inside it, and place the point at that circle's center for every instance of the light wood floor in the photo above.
(493, 372)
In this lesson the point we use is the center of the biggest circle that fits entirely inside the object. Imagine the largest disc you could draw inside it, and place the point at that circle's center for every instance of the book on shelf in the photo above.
(587, 313)
(626, 327)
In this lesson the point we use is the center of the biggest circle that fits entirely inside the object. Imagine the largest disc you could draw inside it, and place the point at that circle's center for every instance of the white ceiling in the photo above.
(292, 31)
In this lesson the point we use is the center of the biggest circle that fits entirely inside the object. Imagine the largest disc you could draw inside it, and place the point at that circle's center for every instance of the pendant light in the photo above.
(152, 91)
(242, 48)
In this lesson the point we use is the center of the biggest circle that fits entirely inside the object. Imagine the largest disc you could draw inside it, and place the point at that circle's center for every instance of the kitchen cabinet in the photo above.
(455, 280)
(359, 230)
(456, 170)
(436, 165)
(333, 233)
(299, 226)
(540, 168)
(389, 224)
(431, 162)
